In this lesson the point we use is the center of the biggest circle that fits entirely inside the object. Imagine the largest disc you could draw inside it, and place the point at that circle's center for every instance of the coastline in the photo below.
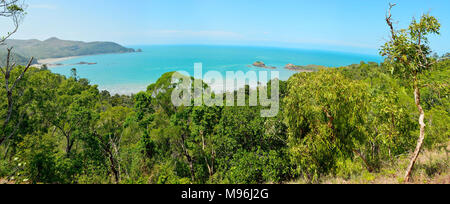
(131, 74)
(52, 62)
(55, 60)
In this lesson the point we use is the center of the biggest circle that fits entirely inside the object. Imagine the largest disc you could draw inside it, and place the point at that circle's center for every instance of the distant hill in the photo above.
(56, 48)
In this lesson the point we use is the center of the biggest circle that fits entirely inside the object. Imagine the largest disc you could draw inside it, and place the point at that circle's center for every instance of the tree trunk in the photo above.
(2, 139)
(369, 168)
(114, 168)
(210, 169)
(191, 166)
(10, 107)
(113, 163)
(69, 145)
(6, 152)
(9, 90)
(422, 133)
(188, 157)
(330, 123)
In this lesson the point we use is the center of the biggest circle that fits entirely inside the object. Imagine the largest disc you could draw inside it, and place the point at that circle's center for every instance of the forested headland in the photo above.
(57, 48)
(362, 123)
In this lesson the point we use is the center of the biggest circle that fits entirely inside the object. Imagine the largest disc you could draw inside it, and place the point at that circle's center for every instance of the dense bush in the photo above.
(331, 122)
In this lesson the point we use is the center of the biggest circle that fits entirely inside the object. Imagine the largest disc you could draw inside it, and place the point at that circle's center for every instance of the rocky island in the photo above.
(40, 65)
(87, 63)
(262, 65)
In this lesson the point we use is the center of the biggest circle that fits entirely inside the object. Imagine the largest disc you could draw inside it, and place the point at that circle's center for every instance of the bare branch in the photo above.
(13, 9)
(16, 27)
(8, 57)
(23, 73)
(389, 20)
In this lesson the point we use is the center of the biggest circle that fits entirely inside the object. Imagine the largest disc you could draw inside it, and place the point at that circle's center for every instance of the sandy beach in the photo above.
(51, 62)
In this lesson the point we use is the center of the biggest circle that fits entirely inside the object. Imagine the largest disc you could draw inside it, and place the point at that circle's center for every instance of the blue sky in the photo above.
(344, 25)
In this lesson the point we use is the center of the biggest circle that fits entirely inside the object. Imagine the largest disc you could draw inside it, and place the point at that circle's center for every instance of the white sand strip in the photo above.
(55, 60)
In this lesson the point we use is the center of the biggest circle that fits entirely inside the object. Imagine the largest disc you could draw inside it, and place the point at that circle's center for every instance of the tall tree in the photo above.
(109, 132)
(408, 55)
(10, 85)
(14, 10)
(324, 113)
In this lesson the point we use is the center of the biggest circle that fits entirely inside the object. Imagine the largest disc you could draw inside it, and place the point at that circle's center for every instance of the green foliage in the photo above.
(408, 51)
(166, 173)
(409, 56)
(325, 115)
(14, 8)
(436, 99)
(335, 122)
(257, 167)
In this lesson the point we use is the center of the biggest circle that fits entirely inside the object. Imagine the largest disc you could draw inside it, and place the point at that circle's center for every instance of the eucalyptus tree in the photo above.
(408, 55)
(14, 10)
(71, 111)
(325, 114)
(109, 132)
(203, 128)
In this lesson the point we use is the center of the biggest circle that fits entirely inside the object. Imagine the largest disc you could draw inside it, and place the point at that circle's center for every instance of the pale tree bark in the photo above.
(111, 149)
(424, 63)
(422, 133)
(208, 165)
(389, 20)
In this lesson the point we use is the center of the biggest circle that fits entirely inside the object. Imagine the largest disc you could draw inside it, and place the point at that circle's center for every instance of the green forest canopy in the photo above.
(73, 133)
(340, 122)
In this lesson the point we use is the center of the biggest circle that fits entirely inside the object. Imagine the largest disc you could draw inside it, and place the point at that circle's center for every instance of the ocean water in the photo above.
(133, 72)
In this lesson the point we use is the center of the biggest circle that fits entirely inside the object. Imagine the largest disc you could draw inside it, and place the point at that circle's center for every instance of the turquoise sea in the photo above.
(133, 72)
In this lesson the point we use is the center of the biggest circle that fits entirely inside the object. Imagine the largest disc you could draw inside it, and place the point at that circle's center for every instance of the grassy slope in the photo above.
(433, 167)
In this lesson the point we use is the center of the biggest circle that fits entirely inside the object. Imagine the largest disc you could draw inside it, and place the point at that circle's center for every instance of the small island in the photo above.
(50, 63)
(86, 63)
(262, 65)
(307, 68)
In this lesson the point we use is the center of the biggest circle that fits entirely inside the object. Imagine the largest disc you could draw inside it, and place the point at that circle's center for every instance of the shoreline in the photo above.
(55, 60)
(52, 62)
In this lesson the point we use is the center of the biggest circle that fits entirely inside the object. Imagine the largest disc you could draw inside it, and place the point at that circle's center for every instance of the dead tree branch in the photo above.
(10, 85)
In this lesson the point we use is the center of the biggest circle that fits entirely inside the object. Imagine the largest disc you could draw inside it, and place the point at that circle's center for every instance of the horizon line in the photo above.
(296, 46)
